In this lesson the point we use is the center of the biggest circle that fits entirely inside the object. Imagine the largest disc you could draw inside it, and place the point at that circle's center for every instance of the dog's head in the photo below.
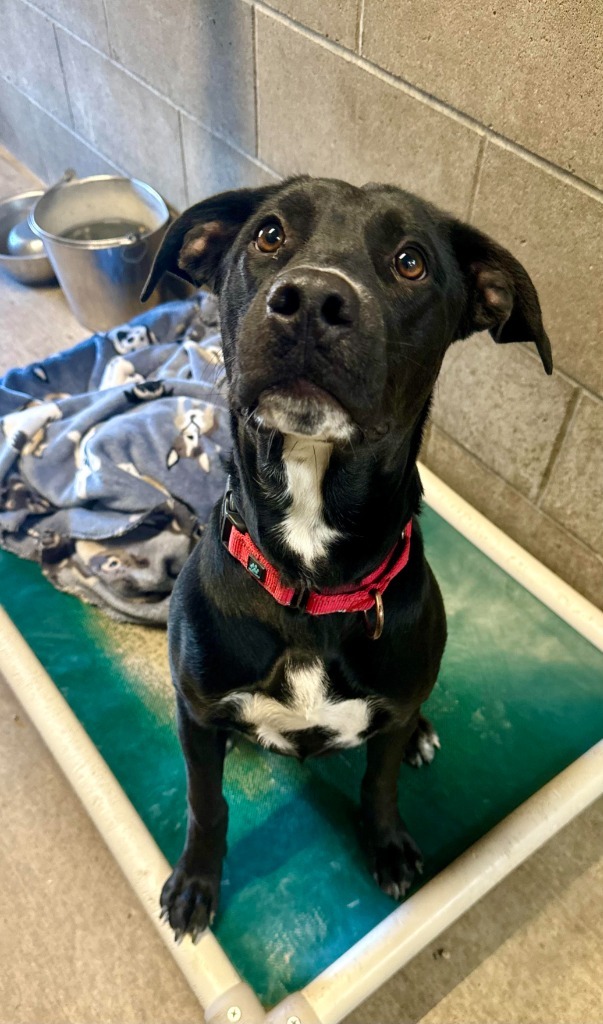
(338, 303)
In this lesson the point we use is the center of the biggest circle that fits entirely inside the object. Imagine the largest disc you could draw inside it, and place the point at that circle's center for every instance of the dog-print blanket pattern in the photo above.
(111, 457)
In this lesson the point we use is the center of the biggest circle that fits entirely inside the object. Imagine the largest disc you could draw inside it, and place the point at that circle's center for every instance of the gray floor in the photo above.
(75, 947)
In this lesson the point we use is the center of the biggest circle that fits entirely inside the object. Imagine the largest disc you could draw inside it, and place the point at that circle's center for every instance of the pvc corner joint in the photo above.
(295, 1009)
(239, 1005)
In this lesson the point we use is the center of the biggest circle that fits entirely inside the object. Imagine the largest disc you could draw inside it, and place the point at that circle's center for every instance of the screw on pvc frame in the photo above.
(239, 1005)
(295, 1008)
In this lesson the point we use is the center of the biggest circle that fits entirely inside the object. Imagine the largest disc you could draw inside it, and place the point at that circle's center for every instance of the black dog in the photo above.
(337, 306)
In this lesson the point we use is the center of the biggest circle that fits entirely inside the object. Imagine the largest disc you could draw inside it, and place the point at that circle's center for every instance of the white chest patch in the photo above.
(308, 707)
(303, 528)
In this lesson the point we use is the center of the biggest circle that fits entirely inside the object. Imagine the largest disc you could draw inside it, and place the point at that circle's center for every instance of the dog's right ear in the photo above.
(194, 246)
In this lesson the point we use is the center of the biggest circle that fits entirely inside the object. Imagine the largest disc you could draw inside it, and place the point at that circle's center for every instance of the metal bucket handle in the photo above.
(135, 248)
(67, 176)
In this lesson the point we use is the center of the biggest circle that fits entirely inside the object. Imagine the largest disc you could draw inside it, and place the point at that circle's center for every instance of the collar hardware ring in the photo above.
(375, 631)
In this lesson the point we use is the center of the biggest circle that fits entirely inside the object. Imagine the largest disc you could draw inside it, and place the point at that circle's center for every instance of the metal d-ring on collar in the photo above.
(375, 631)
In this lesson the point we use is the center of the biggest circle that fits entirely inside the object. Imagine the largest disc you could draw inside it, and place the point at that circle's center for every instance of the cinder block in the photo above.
(29, 57)
(336, 119)
(498, 402)
(337, 19)
(574, 494)
(555, 230)
(200, 55)
(44, 145)
(63, 149)
(85, 18)
(214, 166)
(531, 71)
(546, 539)
(125, 121)
(18, 129)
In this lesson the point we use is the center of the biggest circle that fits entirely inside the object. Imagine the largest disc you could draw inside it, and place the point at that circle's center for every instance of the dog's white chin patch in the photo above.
(315, 416)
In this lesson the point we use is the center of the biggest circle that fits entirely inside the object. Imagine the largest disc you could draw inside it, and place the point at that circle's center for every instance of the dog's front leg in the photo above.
(393, 855)
(190, 896)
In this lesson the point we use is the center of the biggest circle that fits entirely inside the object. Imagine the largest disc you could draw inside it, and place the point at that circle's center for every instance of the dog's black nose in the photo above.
(322, 296)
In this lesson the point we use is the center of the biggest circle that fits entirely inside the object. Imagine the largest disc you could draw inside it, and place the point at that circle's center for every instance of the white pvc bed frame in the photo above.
(340, 988)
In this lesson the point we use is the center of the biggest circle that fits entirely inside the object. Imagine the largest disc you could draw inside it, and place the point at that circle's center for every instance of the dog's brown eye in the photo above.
(270, 237)
(410, 263)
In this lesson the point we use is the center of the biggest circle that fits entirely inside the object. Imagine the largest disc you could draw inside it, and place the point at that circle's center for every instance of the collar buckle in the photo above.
(229, 517)
(300, 598)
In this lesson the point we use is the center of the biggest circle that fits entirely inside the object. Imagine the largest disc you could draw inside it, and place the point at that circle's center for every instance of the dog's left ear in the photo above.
(193, 247)
(500, 295)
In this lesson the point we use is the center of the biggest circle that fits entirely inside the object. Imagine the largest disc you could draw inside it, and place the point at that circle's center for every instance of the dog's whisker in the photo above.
(247, 419)
(270, 443)
(415, 362)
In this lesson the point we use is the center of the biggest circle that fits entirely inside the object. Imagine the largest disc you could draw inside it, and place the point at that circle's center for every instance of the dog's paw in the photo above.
(395, 862)
(422, 745)
(189, 902)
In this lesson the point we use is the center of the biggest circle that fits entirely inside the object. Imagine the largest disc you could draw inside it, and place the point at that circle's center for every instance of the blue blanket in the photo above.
(112, 457)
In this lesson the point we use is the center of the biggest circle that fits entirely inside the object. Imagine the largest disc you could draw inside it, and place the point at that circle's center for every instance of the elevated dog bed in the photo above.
(519, 710)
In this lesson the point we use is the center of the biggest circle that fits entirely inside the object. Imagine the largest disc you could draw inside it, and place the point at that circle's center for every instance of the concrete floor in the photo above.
(75, 948)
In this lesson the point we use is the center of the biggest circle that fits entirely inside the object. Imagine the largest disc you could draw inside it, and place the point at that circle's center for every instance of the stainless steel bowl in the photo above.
(35, 269)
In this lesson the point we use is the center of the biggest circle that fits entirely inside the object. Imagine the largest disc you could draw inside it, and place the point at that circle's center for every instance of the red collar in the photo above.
(353, 598)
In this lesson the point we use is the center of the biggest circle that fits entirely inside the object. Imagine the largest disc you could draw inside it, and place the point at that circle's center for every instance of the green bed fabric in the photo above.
(520, 696)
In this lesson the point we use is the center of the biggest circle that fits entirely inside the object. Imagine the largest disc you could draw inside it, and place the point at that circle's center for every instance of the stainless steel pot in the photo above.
(102, 276)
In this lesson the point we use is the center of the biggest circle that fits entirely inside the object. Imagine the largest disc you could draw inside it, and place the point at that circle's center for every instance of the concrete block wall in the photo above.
(493, 111)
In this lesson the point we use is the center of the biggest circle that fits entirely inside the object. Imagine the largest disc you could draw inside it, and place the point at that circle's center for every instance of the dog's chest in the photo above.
(300, 714)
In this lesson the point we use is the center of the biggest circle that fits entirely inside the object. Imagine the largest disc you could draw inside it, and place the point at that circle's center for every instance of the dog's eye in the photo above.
(410, 264)
(270, 237)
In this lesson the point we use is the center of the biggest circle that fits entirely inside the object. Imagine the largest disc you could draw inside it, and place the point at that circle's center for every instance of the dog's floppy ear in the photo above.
(500, 295)
(194, 245)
